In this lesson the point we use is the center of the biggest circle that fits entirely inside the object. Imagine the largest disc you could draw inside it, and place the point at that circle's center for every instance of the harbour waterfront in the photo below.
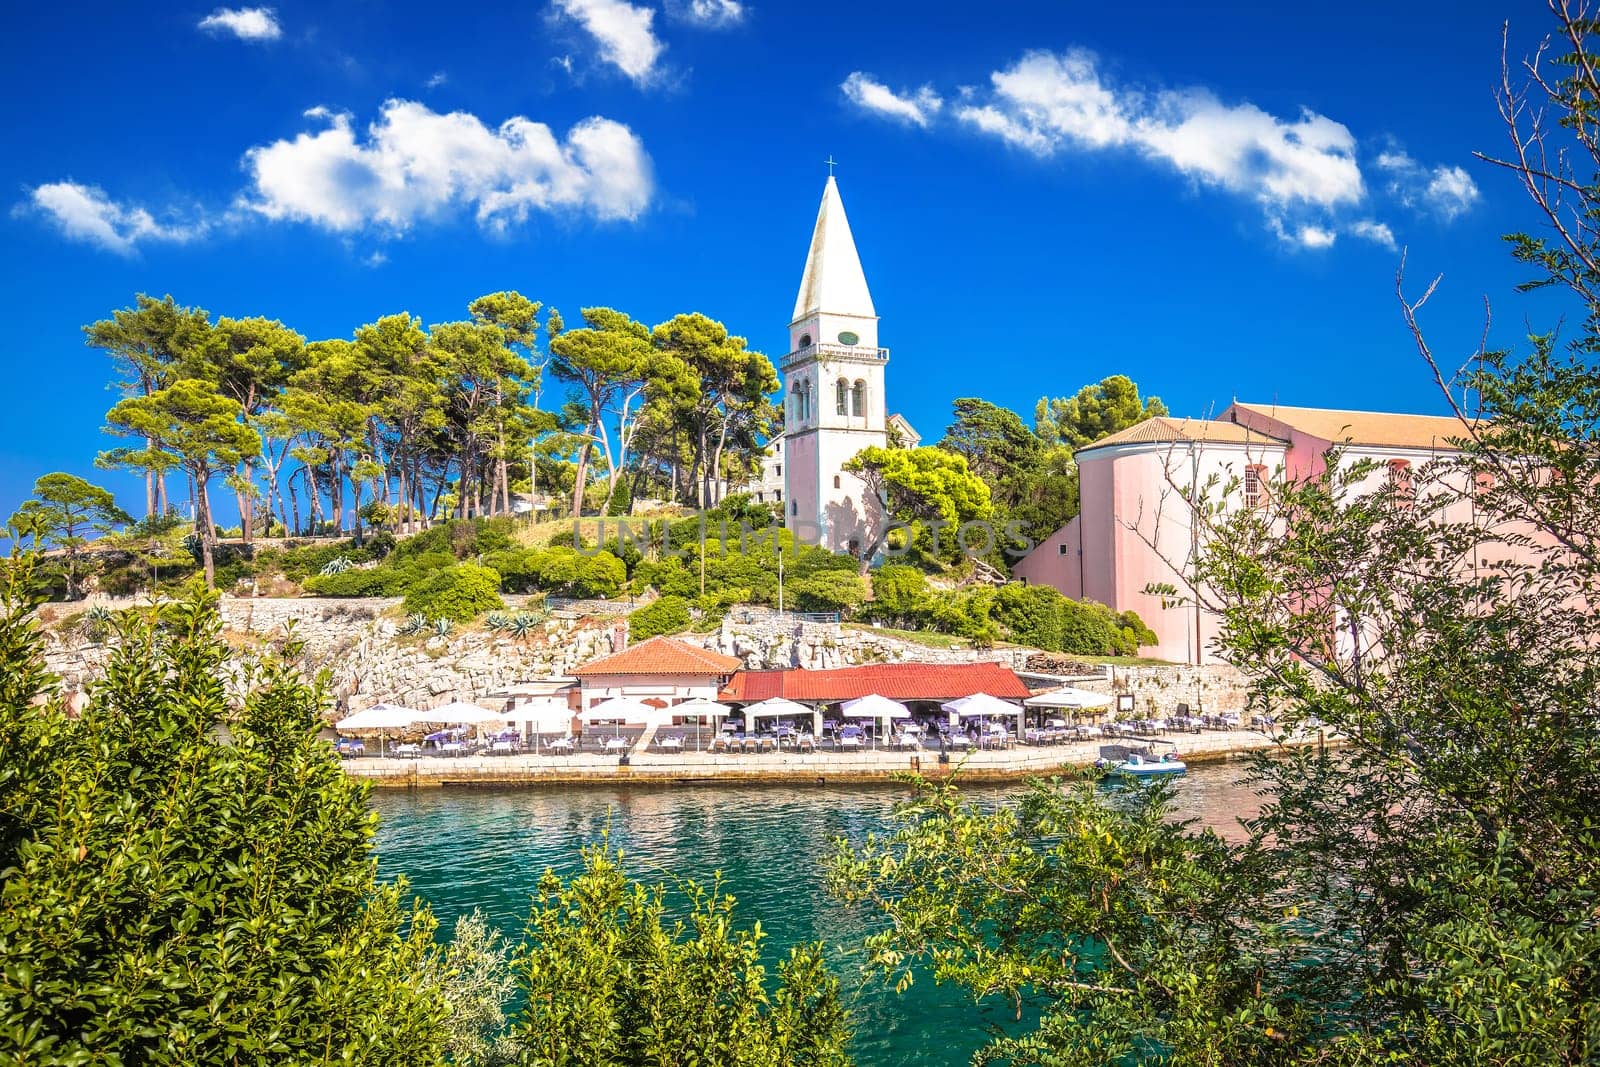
(486, 849)
(823, 767)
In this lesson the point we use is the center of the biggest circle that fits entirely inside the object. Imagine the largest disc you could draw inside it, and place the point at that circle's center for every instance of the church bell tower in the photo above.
(833, 389)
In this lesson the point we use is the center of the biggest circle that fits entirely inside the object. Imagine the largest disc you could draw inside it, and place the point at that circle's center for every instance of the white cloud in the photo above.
(1450, 192)
(245, 23)
(712, 14)
(1446, 191)
(919, 107)
(437, 79)
(1316, 237)
(1374, 231)
(1048, 103)
(415, 163)
(623, 32)
(86, 213)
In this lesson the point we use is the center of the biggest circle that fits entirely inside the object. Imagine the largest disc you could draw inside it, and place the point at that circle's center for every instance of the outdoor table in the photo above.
(453, 748)
(409, 750)
(670, 744)
(505, 746)
(616, 744)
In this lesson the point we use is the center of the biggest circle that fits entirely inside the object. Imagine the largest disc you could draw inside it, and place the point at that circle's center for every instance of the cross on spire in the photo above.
(831, 162)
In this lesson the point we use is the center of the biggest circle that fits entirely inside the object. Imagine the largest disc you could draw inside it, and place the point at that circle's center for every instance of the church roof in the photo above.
(1377, 428)
(833, 280)
(1161, 428)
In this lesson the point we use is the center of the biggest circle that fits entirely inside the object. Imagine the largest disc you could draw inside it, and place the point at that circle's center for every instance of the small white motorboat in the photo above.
(1127, 762)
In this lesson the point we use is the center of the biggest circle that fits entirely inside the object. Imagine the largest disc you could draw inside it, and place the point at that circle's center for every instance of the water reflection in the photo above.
(466, 849)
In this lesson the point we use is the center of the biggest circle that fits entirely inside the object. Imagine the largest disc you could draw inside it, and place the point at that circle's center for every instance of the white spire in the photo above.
(833, 281)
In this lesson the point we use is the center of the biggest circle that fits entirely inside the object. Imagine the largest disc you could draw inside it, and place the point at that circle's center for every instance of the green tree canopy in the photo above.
(1096, 411)
(202, 431)
(927, 487)
(63, 510)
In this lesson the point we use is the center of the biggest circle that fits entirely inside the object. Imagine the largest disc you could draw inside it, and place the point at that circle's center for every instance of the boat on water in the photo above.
(1124, 762)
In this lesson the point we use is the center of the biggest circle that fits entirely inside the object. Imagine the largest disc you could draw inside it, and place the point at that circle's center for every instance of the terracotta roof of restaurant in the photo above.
(1160, 428)
(661, 655)
(897, 681)
(1380, 428)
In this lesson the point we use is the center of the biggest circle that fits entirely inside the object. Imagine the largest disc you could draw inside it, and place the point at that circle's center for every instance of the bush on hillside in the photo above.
(668, 615)
(900, 594)
(460, 593)
(376, 581)
(832, 590)
(559, 570)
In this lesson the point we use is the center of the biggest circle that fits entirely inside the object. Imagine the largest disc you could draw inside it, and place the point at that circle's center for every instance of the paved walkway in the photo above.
(819, 767)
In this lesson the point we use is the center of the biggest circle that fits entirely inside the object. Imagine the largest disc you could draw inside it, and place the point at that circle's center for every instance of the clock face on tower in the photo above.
(848, 338)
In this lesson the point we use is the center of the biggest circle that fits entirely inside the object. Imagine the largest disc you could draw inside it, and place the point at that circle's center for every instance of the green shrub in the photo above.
(459, 593)
(830, 590)
(668, 615)
(900, 594)
(169, 900)
(376, 581)
(613, 972)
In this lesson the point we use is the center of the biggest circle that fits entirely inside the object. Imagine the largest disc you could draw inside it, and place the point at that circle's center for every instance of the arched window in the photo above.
(1400, 479)
(842, 390)
(836, 481)
(1255, 485)
(858, 398)
(807, 401)
(805, 340)
(795, 414)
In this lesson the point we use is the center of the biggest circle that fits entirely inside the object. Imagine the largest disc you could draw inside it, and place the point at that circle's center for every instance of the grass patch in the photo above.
(928, 638)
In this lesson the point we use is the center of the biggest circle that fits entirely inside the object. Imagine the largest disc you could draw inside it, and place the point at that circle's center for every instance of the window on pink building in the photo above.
(1255, 485)
(1400, 479)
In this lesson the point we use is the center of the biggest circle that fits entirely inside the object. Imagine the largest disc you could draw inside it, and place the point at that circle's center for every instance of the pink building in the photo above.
(1133, 529)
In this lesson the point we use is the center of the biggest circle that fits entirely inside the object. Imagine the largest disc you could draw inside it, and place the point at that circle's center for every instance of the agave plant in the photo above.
(414, 624)
(523, 623)
(499, 620)
(337, 565)
(442, 627)
(96, 622)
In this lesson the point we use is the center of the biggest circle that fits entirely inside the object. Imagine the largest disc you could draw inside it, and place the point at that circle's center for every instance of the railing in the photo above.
(855, 352)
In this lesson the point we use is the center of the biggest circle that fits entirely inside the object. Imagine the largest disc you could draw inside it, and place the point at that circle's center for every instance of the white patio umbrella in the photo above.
(459, 712)
(701, 708)
(1068, 696)
(549, 715)
(776, 708)
(379, 717)
(874, 706)
(981, 706)
(625, 708)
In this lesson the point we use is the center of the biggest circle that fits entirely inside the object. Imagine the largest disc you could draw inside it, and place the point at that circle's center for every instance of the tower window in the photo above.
(794, 507)
(858, 398)
(836, 481)
(805, 340)
(841, 390)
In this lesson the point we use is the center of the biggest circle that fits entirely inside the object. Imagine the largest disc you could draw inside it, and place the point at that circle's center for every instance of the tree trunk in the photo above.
(579, 479)
(202, 507)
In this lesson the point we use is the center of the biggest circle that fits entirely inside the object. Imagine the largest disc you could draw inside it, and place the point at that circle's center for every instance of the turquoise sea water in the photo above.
(469, 848)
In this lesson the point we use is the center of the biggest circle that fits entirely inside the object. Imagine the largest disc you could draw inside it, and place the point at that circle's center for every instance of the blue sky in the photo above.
(1210, 200)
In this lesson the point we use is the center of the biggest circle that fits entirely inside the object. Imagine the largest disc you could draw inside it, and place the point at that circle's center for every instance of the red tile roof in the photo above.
(897, 681)
(661, 655)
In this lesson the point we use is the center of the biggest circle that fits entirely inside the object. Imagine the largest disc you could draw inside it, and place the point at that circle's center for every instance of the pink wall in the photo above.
(1056, 561)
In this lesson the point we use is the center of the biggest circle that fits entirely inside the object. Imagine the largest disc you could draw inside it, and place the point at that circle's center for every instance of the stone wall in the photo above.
(356, 640)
